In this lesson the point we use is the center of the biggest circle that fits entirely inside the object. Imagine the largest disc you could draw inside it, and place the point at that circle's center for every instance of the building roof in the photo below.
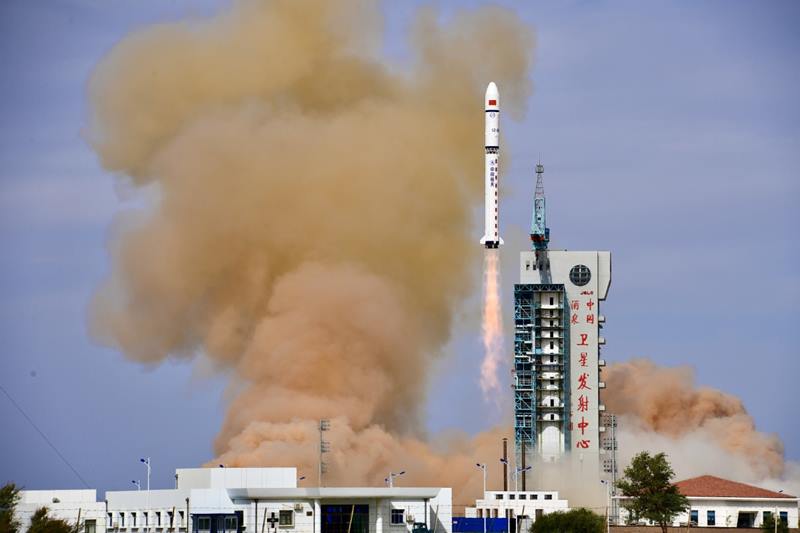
(716, 487)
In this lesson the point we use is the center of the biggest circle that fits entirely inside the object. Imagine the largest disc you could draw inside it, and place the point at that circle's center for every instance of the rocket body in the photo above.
(491, 231)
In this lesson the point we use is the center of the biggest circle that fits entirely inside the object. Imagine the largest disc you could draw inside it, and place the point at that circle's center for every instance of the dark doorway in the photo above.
(345, 518)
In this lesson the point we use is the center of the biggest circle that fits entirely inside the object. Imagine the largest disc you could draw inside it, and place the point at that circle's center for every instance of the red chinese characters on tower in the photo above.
(590, 318)
(582, 425)
(582, 382)
(584, 339)
(583, 359)
(583, 403)
(574, 319)
(590, 304)
(583, 444)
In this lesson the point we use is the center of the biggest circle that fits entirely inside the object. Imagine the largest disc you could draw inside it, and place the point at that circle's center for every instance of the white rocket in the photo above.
(491, 233)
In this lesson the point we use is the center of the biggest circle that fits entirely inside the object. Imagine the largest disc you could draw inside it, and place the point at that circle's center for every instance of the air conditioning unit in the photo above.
(298, 507)
(409, 518)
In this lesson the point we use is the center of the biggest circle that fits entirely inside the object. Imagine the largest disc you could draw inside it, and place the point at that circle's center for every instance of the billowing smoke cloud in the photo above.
(311, 228)
(703, 430)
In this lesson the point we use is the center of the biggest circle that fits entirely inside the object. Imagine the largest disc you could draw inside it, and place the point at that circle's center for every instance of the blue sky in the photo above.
(670, 134)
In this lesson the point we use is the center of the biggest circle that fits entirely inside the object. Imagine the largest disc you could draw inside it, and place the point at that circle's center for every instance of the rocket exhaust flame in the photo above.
(491, 327)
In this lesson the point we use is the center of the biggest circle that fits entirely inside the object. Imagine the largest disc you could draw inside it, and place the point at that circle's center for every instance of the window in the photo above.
(90, 526)
(180, 515)
(204, 523)
(552, 300)
(784, 517)
(511, 496)
(523, 496)
(110, 519)
(767, 515)
(552, 401)
(121, 519)
(158, 518)
(548, 496)
(693, 516)
(498, 496)
(146, 519)
(398, 517)
(286, 518)
(580, 275)
(133, 519)
(171, 517)
(232, 523)
(711, 518)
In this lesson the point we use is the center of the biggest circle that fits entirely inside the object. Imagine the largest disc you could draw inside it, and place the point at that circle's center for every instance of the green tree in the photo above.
(647, 484)
(768, 525)
(41, 522)
(9, 496)
(573, 521)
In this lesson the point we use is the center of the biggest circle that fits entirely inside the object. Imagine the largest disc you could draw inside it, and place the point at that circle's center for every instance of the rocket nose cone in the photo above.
(492, 98)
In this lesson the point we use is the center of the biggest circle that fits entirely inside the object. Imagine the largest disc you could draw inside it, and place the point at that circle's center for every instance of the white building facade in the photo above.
(557, 357)
(265, 500)
(521, 508)
(70, 505)
(717, 502)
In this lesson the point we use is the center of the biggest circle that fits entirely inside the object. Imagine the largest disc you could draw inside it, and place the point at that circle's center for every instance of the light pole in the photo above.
(776, 514)
(517, 472)
(608, 504)
(390, 480)
(146, 462)
(136, 482)
(482, 466)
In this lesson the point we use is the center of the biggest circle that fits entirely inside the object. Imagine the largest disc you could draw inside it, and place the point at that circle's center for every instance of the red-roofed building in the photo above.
(717, 502)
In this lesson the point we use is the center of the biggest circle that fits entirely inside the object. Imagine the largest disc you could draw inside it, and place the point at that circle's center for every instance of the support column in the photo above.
(317, 517)
(378, 517)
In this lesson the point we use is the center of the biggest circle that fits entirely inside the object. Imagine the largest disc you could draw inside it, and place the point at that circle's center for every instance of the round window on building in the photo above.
(580, 275)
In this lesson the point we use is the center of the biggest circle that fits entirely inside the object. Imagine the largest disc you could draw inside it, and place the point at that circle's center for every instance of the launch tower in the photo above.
(557, 342)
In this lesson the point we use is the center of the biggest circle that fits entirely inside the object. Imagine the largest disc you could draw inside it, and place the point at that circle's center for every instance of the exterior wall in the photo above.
(255, 505)
(220, 478)
(584, 341)
(125, 506)
(727, 511)
(498, 503)
(62, 504)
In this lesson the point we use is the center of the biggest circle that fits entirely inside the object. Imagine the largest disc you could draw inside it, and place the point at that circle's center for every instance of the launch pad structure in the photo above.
(557, 343)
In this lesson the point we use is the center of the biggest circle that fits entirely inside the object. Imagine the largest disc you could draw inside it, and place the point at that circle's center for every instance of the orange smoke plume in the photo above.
(306, 201)
(666, 402)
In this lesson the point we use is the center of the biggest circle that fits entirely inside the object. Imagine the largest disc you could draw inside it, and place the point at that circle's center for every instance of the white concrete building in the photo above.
(717, 502)
(267, 500)
(70, 505)
(521, 508)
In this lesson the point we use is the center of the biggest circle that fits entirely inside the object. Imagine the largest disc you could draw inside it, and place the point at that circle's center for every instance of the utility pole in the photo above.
(324, 447)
